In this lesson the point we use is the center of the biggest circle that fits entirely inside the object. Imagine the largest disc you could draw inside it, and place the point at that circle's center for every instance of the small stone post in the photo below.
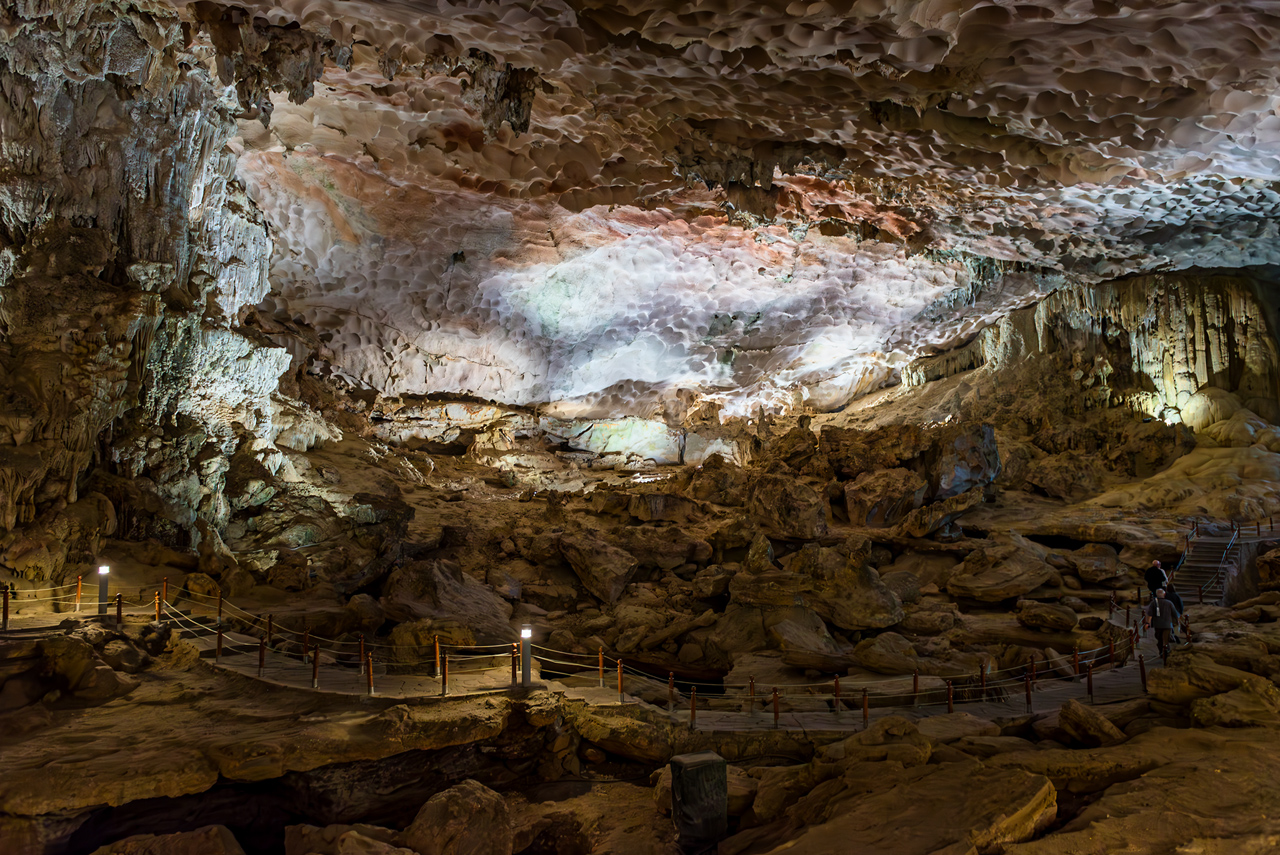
(699, 800)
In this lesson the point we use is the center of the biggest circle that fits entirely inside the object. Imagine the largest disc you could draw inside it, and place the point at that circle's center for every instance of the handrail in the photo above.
(1217, 574)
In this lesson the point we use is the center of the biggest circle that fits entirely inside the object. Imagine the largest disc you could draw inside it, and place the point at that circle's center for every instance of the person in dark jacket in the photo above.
(1161, 614)
(1155, 577)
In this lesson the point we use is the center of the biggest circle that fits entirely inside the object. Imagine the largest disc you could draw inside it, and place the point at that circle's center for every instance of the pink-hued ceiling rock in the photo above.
(596, 205)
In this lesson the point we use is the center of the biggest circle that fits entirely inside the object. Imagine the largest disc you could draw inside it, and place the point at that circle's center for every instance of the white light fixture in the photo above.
(104, 570)
(526, 632)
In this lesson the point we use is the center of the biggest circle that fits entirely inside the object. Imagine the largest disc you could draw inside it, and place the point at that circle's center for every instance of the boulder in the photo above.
(1002, 572)
(929, 620)
(837, 584)
(1049, 616)
(881, 499)
(892, 738)
(201, 587)
(102, 683)
(950, 727)
(365, 613)
(467, 819)
(786, 507)
(1190, 676)
(890, 653)
(438, 590)
(123, 656)
(904, 584)
(1269, 571)
(957, 807)
(1255, 703)
(210, 840)
(237, 582)
(739, 631)
(661, 507)
(720, 482)
(341, 840)
(1097, 562)
(1069, 475)
(67, 660)
(924, 521)
(803, 639)
(603, 569)
(1086, 726)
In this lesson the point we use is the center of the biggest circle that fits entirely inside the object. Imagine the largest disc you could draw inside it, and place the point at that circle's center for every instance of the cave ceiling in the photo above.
(599, 208)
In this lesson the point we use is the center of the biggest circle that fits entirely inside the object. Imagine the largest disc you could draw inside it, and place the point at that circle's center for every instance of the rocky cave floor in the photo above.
(859, 546)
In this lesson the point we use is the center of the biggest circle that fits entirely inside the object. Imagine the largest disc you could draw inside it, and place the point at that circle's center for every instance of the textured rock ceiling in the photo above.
(605, 207)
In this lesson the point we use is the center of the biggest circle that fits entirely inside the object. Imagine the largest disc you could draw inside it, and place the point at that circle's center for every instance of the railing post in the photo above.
(306, 640)
(866, 709)
(837, 692)
(1026, 679)
(362, 653)
(775, 706)
(619, 681)
(515, 663)
(693, 708)
(671, 692)
(119, 610)
(751, 695)
(435, 642)
(951, 702)
(1142, 670)
(262, 654)
(164, 588)
(1075, 660)
(915, 688)
(157, 606)
(983, 682)
(368, 670)
(1090, 681)
(219, 606)
(600, 653)
(4, 622)
(315, 667)
(217, 652)
(444, 676)
(79, 583)
(1201, 595)
(1126, 615)
(1031, 668)
(271, 626)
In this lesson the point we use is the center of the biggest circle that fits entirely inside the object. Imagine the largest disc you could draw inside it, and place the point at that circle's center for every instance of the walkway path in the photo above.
(810, 708)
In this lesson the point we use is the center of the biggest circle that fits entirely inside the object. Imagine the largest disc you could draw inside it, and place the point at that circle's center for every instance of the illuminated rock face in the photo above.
(512, 203)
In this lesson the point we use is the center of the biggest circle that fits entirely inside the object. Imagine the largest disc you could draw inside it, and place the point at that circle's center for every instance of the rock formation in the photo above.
(880, 346)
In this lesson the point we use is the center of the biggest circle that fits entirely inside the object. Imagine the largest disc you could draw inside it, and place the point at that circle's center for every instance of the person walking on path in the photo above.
(1155, 577)
(1161, 614)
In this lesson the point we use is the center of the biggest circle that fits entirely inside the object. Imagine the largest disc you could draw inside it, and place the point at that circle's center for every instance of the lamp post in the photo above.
(104, 575)
(526, 655)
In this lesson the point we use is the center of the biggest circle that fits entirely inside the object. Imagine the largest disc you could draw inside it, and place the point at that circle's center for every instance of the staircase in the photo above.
(206, 627)
(1205, 565)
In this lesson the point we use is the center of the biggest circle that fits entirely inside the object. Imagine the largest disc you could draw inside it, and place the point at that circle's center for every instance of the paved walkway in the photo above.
(484, 675)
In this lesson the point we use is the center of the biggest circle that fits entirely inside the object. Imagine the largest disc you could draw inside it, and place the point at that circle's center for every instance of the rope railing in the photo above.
(471, 659)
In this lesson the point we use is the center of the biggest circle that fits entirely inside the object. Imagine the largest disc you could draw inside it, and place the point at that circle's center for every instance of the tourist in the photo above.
(1156, 577)
(1161, 614)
